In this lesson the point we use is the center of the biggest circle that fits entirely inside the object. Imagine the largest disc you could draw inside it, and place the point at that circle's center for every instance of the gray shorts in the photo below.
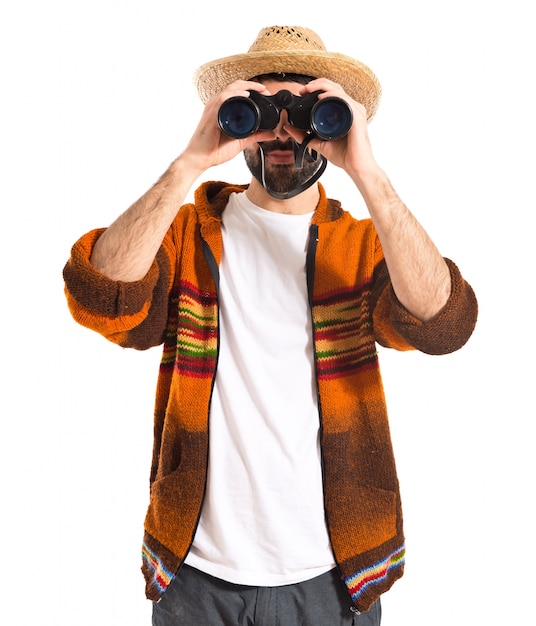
(197, 599)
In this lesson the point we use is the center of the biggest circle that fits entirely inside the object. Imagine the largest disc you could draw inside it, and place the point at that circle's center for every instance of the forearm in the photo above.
(419, 274)
(126, 250)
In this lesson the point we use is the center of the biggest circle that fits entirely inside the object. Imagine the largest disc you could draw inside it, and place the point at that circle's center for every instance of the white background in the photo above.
(97, 99)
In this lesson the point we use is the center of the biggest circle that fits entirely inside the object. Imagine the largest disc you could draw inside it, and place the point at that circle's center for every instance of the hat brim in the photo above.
(357, 80)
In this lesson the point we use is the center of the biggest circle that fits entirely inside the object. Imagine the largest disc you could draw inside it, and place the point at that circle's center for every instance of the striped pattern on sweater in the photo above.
(192, 350)
(343, 333)
(362, 581)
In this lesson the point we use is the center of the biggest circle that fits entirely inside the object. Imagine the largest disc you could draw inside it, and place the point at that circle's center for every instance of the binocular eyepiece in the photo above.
(328, 118)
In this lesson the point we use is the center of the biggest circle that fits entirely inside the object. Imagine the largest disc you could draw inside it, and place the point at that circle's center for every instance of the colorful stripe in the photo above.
(192, 336)
(344, 342)
(161, 577)
(358, 583)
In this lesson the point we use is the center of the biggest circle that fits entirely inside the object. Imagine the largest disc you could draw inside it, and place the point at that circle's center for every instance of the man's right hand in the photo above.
(209, 146)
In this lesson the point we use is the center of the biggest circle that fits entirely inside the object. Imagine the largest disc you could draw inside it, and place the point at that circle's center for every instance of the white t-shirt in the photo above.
(263, 519)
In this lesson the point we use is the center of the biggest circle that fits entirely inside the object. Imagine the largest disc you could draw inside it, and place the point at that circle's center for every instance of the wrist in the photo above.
(185, 170)
(374, 185)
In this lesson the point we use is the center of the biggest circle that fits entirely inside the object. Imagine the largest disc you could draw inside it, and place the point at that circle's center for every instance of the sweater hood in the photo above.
(212, 197)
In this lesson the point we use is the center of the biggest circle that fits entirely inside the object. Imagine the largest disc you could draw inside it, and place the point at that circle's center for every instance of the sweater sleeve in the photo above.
(131, 314)
(446, 332)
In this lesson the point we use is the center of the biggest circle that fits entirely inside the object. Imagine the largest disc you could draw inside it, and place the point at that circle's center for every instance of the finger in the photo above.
(322, 84)
(242, 88)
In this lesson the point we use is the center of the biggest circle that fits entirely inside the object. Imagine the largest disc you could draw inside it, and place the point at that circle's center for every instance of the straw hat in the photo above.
(291, 49)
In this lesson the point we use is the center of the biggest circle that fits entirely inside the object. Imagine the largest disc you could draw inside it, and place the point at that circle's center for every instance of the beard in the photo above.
(279, 178)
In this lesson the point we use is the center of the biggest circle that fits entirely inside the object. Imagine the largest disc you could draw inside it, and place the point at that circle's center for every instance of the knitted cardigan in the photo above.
(353, 307)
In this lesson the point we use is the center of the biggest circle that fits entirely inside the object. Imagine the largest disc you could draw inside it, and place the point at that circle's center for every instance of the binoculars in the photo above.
(328, 118)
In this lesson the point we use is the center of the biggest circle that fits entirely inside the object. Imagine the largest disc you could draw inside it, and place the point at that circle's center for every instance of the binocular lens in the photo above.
(238, 117)
(331, 118)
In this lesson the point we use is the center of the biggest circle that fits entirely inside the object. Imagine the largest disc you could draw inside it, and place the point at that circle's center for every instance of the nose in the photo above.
(279, 131)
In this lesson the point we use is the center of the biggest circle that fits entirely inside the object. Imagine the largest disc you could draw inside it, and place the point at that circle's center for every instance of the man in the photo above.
(274, 496)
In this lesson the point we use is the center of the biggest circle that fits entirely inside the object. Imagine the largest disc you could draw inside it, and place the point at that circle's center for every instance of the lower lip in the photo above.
(280, 158)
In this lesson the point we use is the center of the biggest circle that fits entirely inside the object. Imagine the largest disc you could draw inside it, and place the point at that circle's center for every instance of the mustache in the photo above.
(272, 146)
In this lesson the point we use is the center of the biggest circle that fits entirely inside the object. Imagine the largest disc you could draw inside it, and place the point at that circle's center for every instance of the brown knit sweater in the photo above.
(353, 308)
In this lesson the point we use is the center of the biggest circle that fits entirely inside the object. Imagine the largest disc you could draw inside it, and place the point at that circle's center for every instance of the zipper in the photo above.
(215, 271)
(310, 265)
(355, 612)
(310, 262)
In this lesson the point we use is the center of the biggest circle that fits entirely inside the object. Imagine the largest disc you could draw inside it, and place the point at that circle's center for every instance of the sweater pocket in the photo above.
(176, 498)
(361, 520)
(376, 515)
